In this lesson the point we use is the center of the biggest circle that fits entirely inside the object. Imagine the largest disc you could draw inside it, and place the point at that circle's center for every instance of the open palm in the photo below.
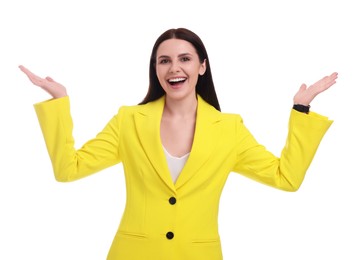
(305, 94)
(55, 89)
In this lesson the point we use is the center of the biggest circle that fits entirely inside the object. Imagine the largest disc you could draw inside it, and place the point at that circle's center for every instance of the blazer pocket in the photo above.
(206, 242)
(132, 235)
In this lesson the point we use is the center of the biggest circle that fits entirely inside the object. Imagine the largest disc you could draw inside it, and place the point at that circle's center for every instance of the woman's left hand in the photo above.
(305, 94)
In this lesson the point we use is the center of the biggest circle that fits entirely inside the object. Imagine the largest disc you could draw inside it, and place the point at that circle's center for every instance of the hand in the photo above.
(55, 89)
(305, 95)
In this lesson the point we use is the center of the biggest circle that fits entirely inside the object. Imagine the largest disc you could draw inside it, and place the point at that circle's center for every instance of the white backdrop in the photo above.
(260, 53)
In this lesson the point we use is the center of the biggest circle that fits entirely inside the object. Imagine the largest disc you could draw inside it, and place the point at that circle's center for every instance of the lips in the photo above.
(175, 81)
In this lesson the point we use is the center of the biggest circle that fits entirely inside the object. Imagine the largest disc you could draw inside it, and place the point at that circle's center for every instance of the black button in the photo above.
(172, 200)
(169, 235)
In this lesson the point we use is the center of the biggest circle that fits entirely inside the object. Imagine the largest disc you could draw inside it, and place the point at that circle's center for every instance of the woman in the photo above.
(177, 150)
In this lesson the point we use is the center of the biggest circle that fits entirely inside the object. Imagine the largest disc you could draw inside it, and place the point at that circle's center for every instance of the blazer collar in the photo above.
(148, 120)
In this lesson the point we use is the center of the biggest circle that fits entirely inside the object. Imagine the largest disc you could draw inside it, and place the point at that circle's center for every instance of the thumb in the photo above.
(303, 87)
(49, 79)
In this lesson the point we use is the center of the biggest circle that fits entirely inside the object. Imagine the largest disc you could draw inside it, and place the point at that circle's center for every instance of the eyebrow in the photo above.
(180, 55)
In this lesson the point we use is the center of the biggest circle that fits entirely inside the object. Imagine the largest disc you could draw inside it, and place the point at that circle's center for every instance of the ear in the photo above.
(202, 68)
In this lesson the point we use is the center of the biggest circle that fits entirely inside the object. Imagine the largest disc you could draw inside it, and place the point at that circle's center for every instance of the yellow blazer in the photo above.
(168, 221)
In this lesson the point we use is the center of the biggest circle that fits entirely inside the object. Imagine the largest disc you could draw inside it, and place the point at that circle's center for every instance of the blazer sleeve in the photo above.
(68, 163)
(305, 132)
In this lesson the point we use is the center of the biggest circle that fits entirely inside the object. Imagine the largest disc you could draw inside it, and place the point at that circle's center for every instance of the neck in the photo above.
(185, 107)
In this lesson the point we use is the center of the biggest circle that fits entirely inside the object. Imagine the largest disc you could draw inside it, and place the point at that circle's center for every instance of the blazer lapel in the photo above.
(205, 138)
(148, 121)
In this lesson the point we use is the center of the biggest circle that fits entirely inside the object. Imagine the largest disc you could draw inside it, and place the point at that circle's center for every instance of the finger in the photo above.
(49, 79)
(36, 80)
(326, 81)
(303, 87)
(332, 78)
(334, 75)
(25, 70)
(324, 84)
(28, 73)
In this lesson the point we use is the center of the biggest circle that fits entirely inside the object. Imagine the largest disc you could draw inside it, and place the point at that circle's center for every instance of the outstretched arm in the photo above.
(305, 94)
(55, 89)
(54, 116)
(304, 136)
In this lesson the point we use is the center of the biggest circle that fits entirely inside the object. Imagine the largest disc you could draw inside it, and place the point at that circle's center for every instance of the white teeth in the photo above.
(176, 79)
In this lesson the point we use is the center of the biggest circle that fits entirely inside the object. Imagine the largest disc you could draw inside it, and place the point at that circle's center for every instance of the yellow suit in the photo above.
(168, 221)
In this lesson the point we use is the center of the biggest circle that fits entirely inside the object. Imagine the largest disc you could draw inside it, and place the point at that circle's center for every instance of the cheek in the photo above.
(161, 77)
(160, 72)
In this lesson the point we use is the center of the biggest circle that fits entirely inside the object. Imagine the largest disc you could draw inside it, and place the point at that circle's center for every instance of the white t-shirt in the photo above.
(175, 164)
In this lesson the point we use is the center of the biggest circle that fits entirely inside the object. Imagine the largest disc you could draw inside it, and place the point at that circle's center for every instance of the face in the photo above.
(178, 68)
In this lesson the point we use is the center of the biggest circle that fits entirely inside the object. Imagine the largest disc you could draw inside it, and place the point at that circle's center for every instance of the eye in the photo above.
(163, 61)
(185, 59)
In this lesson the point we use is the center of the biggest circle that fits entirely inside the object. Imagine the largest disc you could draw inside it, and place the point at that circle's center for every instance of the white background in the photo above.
(260, 53)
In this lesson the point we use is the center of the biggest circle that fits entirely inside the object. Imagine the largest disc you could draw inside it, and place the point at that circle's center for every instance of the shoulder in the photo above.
(210, 111)
(232, 116)
(231, 121)
(148, 108)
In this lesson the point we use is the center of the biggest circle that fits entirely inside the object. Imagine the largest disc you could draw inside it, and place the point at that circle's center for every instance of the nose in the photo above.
(174, 67)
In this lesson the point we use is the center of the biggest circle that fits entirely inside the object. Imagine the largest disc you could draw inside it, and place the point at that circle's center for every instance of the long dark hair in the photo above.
(205, 85)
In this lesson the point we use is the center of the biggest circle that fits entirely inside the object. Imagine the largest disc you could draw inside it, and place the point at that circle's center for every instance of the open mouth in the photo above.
(176, 81)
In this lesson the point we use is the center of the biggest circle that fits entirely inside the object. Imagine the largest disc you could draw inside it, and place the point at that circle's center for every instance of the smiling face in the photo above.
(178, 68)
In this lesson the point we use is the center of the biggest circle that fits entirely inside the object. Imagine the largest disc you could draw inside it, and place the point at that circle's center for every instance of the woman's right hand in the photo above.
(55, 89)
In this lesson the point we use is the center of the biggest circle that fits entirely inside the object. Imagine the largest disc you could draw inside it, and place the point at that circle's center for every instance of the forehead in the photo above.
(173, 47)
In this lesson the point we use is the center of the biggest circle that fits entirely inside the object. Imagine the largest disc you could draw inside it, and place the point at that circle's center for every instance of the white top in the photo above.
(175, 164)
